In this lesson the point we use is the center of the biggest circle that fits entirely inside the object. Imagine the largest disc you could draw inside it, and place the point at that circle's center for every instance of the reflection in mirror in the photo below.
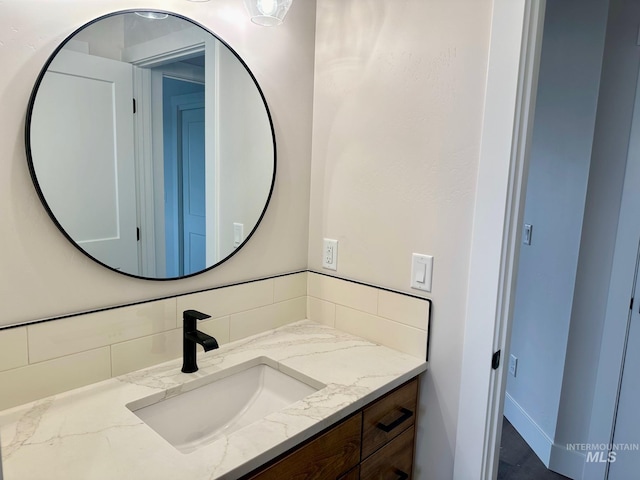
(151, 145)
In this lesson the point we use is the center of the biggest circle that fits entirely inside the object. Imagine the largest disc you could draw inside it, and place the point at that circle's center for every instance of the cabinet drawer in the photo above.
(353, 474)
(388, 417)
(324, 458)
(394, 461)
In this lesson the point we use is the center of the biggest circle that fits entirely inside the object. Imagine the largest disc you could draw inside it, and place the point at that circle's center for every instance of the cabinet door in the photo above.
(326, 458)
(394, 461)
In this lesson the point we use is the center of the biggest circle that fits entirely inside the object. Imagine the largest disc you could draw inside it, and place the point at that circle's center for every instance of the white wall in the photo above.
(608, 162)
(397, 122)
(42, 274)
(245, 178)
(565, 116)
(105, 38)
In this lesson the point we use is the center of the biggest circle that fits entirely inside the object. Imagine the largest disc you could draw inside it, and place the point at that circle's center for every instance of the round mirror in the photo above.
(151, 145)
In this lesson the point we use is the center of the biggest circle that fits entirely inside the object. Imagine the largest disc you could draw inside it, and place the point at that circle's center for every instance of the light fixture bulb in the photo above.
(267, 7)
(267, 13)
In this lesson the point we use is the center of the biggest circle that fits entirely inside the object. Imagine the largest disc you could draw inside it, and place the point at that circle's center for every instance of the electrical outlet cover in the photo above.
(330, 254)
(513, 365)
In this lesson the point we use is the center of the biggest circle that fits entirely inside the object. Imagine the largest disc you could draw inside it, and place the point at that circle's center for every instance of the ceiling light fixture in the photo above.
(267, 13)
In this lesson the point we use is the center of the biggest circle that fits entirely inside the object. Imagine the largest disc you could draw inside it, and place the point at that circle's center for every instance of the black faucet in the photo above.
(191, 336)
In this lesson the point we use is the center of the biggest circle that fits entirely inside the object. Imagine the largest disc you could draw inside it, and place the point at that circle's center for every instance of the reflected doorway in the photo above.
(184, 175)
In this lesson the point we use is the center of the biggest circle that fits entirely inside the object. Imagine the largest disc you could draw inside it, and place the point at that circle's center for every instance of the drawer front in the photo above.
(353, 474)
(325, 458)
(394, 461)
(388, 417)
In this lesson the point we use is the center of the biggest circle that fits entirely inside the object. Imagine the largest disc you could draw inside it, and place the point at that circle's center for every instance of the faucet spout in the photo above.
(191, 337)
(207, 341)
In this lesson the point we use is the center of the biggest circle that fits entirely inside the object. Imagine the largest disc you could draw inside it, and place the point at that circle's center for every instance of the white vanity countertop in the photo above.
(90, 434)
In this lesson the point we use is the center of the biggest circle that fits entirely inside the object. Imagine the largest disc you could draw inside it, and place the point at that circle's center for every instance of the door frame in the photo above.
(148, 125)
(514, 56)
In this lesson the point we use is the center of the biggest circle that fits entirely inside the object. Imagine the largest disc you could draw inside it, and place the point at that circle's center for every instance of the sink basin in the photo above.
(197, 417)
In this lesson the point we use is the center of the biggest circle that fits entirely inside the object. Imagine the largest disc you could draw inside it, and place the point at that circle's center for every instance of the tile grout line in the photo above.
(385, 319)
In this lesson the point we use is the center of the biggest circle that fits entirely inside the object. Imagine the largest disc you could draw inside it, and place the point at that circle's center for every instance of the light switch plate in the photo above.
(330, 254)
(421, 271)
(513, 365)
(527, 232)
(238, 234)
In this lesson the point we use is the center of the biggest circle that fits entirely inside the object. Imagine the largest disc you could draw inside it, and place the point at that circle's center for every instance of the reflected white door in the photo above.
(192, 160)
(84, 121)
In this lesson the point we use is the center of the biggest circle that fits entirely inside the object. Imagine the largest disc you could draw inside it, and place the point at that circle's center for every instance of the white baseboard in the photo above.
(569, 463)
(555, 457)
(528, 429)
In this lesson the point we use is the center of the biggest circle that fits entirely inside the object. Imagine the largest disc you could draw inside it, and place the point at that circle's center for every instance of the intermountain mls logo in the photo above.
(603, 452)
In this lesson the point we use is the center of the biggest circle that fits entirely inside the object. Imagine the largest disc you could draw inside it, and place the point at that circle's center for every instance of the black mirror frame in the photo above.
(31, 166)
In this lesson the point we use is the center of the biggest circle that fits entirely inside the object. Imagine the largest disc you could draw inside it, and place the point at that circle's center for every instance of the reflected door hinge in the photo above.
(495, 360)
(134, 106)
(137, 234)
(631, 304)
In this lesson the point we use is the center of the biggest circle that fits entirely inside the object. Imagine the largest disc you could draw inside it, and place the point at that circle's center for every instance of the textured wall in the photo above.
(397, 122)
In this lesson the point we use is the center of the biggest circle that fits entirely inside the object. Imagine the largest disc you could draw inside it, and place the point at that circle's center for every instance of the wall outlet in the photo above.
(513, 365)
(330, 254)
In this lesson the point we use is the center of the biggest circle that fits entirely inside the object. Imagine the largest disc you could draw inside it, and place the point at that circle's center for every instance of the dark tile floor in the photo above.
(517, 460)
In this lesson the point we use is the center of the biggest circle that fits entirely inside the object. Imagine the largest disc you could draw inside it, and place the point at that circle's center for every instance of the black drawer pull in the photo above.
(401, 474)
(406, 415)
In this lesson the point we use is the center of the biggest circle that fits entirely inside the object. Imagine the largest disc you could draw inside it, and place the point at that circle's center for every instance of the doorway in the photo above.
(184, 176)
(560, 156)
(600, 300)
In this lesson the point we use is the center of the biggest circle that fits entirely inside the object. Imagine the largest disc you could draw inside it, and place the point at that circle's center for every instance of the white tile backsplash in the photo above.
(265, 318)
(24, 384)
(343, 292)
(13, 348)
(389, 318)
(290, 286)
(228, 300)
(321, 311)
(216, 327)
(85, 332)
(146, 351)
(404, 309)
(50, 357)
(410, 340)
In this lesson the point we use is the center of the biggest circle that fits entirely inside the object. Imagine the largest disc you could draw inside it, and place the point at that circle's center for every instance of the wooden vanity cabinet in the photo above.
(393, 461)
(353, 474)
(375, 443)
(327, 456)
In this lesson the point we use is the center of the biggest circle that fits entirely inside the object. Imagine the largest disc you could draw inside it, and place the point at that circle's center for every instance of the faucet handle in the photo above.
(194, 314)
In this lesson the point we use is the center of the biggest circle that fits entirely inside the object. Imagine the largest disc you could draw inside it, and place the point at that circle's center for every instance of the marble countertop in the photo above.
(90, 434)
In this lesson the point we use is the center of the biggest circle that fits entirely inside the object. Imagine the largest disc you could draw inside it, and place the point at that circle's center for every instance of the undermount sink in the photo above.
(199, 416)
